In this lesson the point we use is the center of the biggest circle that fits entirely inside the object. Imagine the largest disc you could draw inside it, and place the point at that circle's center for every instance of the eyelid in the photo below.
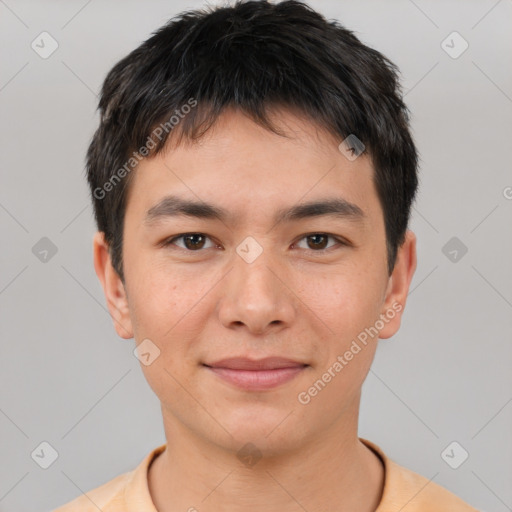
(171, 240)
(340, 241)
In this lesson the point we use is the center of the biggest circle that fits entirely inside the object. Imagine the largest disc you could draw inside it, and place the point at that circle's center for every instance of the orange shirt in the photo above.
(403, 490)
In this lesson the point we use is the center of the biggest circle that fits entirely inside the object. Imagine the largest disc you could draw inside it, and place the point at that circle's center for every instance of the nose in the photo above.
(257, 296)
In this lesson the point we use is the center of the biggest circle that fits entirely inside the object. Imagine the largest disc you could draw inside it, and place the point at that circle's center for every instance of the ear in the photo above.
(113, 287)
(398, 286)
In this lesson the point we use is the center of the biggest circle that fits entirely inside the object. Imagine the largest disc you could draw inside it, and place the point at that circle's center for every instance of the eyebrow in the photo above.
(175, 206)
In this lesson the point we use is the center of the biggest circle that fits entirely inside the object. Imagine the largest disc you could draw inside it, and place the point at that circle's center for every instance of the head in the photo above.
(240, 118)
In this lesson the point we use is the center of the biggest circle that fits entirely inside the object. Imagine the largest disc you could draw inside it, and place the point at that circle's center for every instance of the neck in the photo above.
(334, 471)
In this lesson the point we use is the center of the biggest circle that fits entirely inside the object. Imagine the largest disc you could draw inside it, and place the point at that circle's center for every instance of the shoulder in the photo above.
(127, 492)
(411, 492)
(421, 494)
(103, 497)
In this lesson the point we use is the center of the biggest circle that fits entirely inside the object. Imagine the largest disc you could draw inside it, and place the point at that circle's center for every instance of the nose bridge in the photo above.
(255, 294)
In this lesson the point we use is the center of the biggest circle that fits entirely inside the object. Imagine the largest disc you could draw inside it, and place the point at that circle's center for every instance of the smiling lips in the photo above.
(250, 374)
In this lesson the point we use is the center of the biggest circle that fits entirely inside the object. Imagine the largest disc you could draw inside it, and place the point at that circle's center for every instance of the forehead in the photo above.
(243, 166)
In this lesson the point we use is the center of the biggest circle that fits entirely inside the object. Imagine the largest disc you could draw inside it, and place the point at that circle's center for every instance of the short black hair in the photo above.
(254, 56)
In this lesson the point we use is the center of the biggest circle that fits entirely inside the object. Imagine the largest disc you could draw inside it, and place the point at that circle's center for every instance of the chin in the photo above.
(272, 431)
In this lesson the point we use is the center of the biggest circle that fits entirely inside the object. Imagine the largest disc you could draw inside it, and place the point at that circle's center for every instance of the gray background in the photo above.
(66, 378)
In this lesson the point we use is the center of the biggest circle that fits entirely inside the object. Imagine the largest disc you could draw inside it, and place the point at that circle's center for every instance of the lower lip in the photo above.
(257, 379)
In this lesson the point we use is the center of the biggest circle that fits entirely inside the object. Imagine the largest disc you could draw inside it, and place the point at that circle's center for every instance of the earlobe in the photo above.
(398, 286)
(113, 287)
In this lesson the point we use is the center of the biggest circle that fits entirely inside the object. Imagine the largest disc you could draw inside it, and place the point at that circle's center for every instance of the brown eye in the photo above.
(194, 241)
(191, 241)
(318, 242)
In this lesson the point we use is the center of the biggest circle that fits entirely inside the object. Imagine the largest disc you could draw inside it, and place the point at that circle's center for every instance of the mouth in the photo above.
(250, 374)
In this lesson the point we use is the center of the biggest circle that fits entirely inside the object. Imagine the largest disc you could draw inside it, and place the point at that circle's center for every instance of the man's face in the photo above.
(253, 286)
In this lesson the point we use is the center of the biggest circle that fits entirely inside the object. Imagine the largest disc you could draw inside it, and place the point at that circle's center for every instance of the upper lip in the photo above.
(244, 363)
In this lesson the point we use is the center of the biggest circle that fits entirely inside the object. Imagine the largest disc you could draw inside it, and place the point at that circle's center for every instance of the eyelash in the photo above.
(340, 242)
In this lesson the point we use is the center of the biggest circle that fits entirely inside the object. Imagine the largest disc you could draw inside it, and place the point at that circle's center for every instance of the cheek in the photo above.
(159, 296)
(155, 307)
(350, 310)
(163, 313)
(172, 308)
(346, 300)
